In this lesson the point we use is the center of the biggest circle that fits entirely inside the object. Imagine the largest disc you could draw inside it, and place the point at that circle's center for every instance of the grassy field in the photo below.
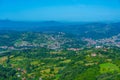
(108, 67)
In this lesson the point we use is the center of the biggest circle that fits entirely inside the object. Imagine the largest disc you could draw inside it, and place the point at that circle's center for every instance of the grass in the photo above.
(3, 59)
(108, 68)
(66, 61)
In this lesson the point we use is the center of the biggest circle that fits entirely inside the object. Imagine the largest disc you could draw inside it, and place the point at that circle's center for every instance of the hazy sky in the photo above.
(60, 10)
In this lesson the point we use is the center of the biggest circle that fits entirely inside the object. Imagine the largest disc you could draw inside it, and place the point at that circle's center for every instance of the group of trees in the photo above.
(7, 73)
(61, 65)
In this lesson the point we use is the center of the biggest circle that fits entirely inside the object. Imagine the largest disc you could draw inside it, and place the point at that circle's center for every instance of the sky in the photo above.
(60, 10)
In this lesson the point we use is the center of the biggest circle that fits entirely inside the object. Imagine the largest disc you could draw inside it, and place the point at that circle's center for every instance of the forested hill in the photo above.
(94, 30)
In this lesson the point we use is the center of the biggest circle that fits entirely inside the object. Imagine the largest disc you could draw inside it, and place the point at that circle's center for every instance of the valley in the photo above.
(80, 53)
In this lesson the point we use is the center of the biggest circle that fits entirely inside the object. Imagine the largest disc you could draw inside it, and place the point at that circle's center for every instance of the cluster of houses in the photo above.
(112, 41)
(7, 47)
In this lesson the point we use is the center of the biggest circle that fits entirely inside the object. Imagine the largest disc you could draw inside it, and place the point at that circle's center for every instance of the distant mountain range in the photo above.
(27, 26)
(92, 30)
